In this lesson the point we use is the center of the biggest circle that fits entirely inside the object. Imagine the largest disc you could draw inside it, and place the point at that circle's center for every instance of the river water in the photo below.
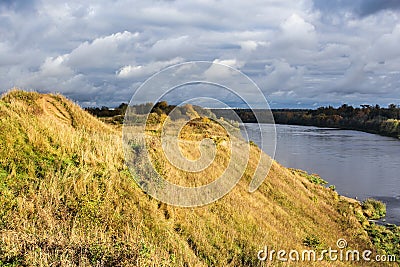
(359, 164)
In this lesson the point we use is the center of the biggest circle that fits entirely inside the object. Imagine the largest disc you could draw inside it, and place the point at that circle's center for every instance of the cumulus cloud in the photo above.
(55, 67)
(295, 31)
(297, 51)
(389, 41)
(248, 45)
(103, 52)
(136, 71)
(281, 76)
(171, 47)
(223, 69)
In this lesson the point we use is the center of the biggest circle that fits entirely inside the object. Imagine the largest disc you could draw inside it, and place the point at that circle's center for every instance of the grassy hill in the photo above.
(68, 199)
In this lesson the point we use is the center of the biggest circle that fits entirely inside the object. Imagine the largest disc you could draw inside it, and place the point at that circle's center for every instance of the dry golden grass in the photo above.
(67, 199)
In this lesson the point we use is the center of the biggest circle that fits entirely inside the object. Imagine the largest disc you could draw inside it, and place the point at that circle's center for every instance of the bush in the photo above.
(374, 209)
(313, 178)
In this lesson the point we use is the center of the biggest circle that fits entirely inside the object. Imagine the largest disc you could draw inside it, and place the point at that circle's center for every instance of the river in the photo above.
(359, 164)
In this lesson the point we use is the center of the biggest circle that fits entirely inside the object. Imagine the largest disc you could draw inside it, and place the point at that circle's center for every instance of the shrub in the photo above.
(313, 178)
(252, 143)
(374, 209)
(312, 241)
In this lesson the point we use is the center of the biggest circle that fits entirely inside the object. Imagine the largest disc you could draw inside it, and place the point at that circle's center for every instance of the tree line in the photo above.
(106, 111)
(373, 119)
(368, 118)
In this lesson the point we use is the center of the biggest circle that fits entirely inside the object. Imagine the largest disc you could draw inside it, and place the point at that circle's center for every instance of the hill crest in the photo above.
(68, 199)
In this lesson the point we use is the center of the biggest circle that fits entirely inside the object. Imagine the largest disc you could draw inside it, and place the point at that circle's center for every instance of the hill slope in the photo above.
(67, 199)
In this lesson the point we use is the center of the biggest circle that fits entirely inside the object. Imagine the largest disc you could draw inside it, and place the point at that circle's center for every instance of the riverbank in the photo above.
(68, 199)
(376, 120)
(390, 124)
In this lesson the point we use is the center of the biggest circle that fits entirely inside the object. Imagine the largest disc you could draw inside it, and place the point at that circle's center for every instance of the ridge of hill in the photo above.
(67, 198)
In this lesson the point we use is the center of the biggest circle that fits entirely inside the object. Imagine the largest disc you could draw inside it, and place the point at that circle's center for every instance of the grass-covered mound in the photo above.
(68, 199)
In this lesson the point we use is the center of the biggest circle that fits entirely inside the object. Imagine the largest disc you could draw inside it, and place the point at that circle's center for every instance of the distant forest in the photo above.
(367, 118)
(373, 119)
(107, 112)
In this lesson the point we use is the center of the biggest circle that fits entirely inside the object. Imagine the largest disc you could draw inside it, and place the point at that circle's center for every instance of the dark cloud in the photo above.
(361, 8)
(334, 5)
(369, 7)
(18, 6)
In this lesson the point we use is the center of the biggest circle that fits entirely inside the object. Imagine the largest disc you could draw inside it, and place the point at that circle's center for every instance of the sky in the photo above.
(301, 54)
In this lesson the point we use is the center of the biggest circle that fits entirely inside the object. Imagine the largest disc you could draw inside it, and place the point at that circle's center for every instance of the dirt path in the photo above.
(53, 108)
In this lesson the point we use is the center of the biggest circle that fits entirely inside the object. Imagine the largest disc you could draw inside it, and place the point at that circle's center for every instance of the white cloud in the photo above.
(281, 76)
(390, 42)
(229, 62)
(249, 45)
(130, 71)
(296, 32)
(171, 47)
(218, 71)
(103, 52)
(55, 67)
